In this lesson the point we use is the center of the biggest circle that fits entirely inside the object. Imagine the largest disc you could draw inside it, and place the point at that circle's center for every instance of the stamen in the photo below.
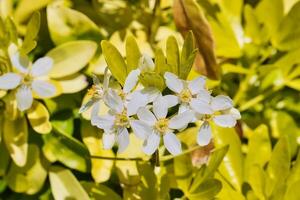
(162, 125)
(185, 96)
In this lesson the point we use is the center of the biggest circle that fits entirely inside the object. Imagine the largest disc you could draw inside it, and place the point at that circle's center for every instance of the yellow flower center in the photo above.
(162, 125)
(122, 94)
(27, 79)
(122, 119)
(95, 91)
(185, 96)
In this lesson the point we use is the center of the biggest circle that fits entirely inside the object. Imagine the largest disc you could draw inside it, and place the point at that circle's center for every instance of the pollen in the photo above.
(95, 91)
(27, 79)
(185, 96)
(122, 119)
(162, 125)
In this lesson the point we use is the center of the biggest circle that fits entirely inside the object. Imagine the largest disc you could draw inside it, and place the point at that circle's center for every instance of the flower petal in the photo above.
(146, 63)
(151, 143)
(172, 100)
(146, 116)
(227, 120)
(200, 106)
(24, 98)
(151, 92)
(197, 84)
(172, 143)
(108, 140)
(137, 101)
(131, 80)
(105, 122)
(173, 82)
(20, 62)
(86, 106)
(43, 88)
(140, 129)
(221, 102)
(160, 107)
(235, 112)
(95, 110)
(181, 120)
(9, 81)
(183, 107)
(122, 139)
(41, 66)
(113, 100)
(204, 134)
(204, 96)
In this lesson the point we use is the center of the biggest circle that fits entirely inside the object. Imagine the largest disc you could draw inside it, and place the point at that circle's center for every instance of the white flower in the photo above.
(97, 92)
(30, 77)
(191, 95)
(150, 127)
(146, 64)
(223, 114)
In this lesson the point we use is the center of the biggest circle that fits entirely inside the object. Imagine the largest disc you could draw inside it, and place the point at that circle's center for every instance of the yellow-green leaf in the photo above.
(173, 57)
(32, 31)
(73, 83)
(15, 136)
(71, 57)
(133, 54)
(38, 117)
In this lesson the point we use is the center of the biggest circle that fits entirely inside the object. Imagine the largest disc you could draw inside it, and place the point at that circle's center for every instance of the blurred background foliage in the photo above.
(249, 49)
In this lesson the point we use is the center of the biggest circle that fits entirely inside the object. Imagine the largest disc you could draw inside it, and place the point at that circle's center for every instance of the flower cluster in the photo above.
(145, 111)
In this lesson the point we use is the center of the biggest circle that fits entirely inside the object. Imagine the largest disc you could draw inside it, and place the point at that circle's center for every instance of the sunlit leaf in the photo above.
(292, 191)
(15, 136)
(71, 57)
(97, 191)
(33, 28)
(38, 117)
(257, 180)
(73, 83)
(64, 185)
(4, 159)
(173, 55)
(183, 170)
(133, 53)
(207, 190)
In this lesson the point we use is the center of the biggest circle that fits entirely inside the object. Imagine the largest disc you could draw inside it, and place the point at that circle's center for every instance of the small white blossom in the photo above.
(191, 95)
(151, 126)
(30, 77)
(223, 114)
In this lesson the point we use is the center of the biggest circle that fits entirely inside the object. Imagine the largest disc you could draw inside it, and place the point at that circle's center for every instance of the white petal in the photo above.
(108, 140)
(204, 96)
(86, 106)
(95, 110)
(43, 88)
(235, 112)
(42, 66)
(122, 139)
(173, 82)
(225, 120)
(151, 143)
(140, 129)
(9, 81)
(200, 106)
(146, 116)
(24, 98)
(204, 134)
(181, 120)
(151, 92)
(20, 62)
(137, 101)
(146, 63)
(183, 107)
(221, 102)
(160, 107)
(196, 85)
(104, 122)
(113, 100)
(106, 79)
(172, 143)
(131, 80)
(172, 100)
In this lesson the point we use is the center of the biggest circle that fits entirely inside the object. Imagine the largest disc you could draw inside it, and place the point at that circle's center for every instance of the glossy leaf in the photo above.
(64, 185)
(173, 55)
(257, 180)
(38, 117)
(71, 57)
(33, 28)
(183, 170)
(133, 53)
(73, 83)
(98, 191)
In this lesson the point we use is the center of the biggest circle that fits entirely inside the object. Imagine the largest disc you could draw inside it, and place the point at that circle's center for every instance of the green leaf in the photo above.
(279, 165)
(287, 61)
(173, 57)
(71, 57)
(133, 54)
(152, 79)
(148, 189)
(12, 30)
(64, 185)
(232, 166)
(15, 136)
(30, 178)
(216, 157)
(183, 170)
(67, 25)
(160, 62)
(32, 32)
(4, 159)
(257, 180)
(292, 191)
(294, 175)
(207, 190)
(188, 50)
(38, 117)
(288, 35)
(101, 168)
(272, 18)
(98, 191)
(259, 141)
(294, 84)
(115, 61)
(67, 150)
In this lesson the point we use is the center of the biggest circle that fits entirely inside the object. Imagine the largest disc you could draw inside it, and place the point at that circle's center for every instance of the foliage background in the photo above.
(249, 50)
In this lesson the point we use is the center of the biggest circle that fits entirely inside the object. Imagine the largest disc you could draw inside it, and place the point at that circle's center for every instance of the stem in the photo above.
(116, 158)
